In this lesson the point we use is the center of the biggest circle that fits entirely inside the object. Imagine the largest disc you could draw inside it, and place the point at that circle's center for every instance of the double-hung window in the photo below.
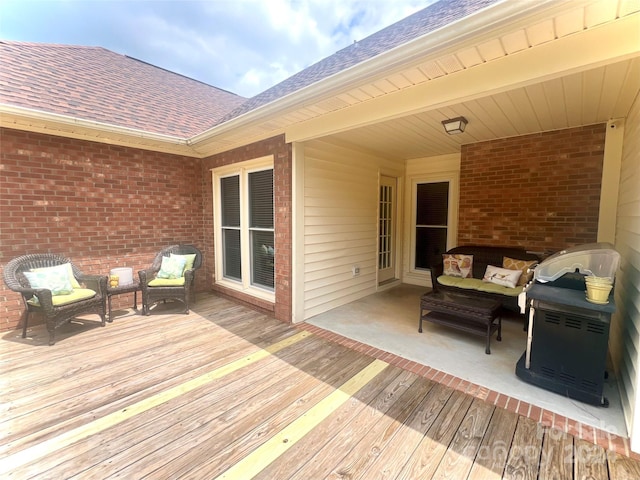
(244, 223)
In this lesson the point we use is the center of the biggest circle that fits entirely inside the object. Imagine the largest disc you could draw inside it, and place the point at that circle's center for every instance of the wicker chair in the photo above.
(183, 293)
(54, 315)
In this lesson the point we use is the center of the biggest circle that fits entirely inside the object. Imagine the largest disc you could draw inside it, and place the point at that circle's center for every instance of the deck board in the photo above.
(492, 454)
(458, 460)
(557, 456)
(304, 450)
(227, 392)
(331, 455)
(380, 432)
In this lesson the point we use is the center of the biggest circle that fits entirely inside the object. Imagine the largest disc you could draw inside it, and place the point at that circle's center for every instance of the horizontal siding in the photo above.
(625, 329)
(340, 223)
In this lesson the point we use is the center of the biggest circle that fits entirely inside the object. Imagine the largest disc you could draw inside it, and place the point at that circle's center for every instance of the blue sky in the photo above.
(244, 46)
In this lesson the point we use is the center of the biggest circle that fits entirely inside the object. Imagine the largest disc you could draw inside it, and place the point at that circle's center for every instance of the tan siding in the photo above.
(340, 223)
(625, 336)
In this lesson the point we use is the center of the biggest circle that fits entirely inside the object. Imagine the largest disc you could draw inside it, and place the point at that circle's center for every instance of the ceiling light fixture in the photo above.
(454, 125)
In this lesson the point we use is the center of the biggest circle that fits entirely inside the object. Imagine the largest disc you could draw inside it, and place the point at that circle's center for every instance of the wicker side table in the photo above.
(470, 314)
(119, 290)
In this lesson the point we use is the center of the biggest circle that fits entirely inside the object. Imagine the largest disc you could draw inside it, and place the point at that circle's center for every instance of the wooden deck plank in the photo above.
(146, 433)
(277, 445)
(142, 347)
(87, 349)
(330, 456)
(136, 381)
(80, 338)
(556, 459)
(622, 468)
(285, 466)
(590, 461)
(124, 364)
(392, 459)
(71, 436)
(380, 432)
(458, 460)
(170, 395)
(255, 420)
(429, 453)
(492, 454)
(523, 462)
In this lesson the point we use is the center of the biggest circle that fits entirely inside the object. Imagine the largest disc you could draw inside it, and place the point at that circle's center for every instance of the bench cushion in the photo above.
(479, 285)
(75, 296)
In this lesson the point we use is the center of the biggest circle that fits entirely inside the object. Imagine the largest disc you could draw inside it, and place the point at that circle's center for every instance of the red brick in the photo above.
(539, 191)
(107, 206)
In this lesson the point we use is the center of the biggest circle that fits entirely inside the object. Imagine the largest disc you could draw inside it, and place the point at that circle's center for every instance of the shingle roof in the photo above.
(96, 84)
(414, 26)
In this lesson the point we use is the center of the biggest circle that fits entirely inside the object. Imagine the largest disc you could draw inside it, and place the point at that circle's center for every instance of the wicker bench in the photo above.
(480, 316)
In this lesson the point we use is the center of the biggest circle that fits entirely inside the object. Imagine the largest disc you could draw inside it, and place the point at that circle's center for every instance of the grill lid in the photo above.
(599, 259)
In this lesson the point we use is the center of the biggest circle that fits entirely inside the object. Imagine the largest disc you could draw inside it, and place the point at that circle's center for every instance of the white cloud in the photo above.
(244, 46)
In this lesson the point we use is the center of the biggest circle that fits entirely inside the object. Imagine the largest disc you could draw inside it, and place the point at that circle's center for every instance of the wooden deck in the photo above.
(228, 393)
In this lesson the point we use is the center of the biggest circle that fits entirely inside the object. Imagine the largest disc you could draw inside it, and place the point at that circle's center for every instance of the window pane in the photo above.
(261, 199)
(232, 260)
(431, 243)
(230, 201)
(432, 203)
(262, 253)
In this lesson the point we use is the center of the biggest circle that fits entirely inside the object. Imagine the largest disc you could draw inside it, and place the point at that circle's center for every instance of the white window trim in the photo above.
(242, 169)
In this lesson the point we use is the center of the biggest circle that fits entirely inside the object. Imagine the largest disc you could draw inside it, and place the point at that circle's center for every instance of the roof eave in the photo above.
(23, 118)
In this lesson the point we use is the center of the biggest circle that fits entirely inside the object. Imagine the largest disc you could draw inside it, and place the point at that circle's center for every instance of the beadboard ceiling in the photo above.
(590, 97)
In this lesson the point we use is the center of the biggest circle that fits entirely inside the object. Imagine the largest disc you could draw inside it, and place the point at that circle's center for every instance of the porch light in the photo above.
(454, 125)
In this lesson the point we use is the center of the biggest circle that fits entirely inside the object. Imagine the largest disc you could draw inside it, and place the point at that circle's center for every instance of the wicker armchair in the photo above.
(183, 293)
(54, 315)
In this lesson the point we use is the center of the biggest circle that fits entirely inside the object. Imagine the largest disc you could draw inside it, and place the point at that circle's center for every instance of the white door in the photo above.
(387, 230)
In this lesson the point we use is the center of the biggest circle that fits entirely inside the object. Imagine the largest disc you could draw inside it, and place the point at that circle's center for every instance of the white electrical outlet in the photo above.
(355, 270)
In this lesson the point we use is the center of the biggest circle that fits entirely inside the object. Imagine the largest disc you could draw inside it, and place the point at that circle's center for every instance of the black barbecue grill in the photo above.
(568, 336)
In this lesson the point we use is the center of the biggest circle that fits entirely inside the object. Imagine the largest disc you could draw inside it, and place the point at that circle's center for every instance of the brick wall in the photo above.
(282, 175)
(102, 206)
(538, 191)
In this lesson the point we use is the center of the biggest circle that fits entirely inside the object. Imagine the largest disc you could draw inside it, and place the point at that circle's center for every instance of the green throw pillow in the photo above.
(172, 267)
(55, 279)
(190, 259)
(74, 282)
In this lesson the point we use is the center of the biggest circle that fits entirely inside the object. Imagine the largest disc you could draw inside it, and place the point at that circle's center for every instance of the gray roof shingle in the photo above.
(99, 85)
